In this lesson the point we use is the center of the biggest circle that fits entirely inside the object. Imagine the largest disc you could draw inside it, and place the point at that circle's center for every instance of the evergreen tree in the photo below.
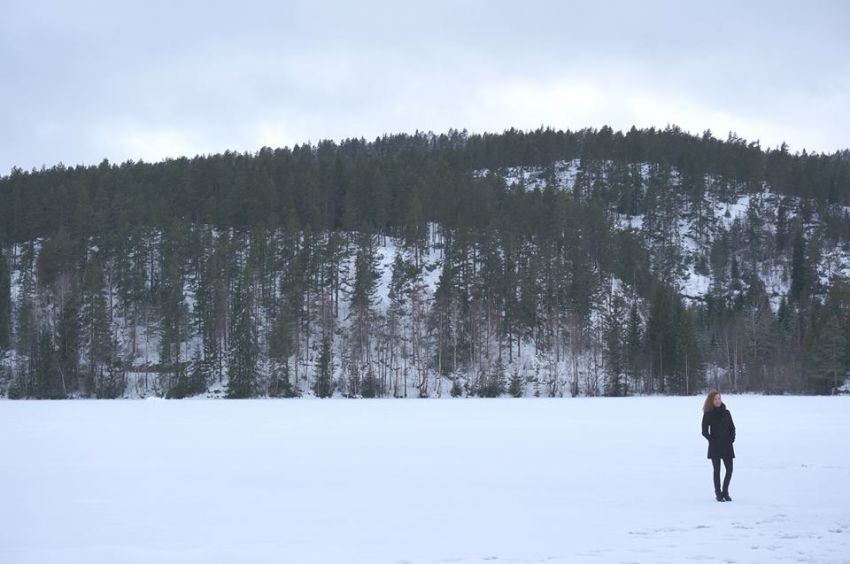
(494, 381)
(191, 380)
(633, 343)
(688, 361)
(5, 305)
(26, 337)
(323, 386)
(829, 359)
(69, 343)
(799, 267)
(614, 335)
(172, 309)
(243, 349)
(363, 297)
(206, 318)
(100, 348)
(660, 338)
(283, 338)
(48, 383)
(457, 389)
(516, 387)
(404, 276)
(371, 386)
(443, 313)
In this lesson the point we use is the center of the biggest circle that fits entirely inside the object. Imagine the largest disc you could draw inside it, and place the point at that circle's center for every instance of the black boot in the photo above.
(726, 497)
(719, 496)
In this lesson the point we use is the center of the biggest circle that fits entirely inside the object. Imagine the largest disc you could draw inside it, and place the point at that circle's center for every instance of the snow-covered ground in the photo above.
(563, 173)
(420, 481)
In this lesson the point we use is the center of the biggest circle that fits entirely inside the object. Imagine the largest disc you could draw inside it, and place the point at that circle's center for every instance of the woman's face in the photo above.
(717, 400)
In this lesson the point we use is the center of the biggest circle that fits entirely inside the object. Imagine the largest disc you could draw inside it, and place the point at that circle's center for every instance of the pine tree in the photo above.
(206, 319)
(457, 389)
(494, 380)
(191, 380)
(633, 343)
(47, 377)
(243, 349)
(370, 387)
(615, 386)
(323, 386)
(829, 359)
(443, 312)
(516, 387)
(403, 278)
(762, 343)
(69, 341)
(362, 309)
(100, 348)
(688, 360)
(26, 333)
(172, 309)
(283, 338)
(828, 367)
(280, 386)
(660, 327)
(5, 305)
(799, 268)
(416, 229)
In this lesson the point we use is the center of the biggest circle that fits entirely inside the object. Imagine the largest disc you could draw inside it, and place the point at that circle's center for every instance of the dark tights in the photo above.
(727, 462)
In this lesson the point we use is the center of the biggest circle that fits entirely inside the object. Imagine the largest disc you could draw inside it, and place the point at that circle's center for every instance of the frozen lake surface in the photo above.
(420, 481)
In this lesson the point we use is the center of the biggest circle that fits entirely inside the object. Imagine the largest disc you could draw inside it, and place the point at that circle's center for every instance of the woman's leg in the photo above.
(727, 462)
(715, 462)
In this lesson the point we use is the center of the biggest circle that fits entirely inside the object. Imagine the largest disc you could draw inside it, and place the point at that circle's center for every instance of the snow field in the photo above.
(420, 481)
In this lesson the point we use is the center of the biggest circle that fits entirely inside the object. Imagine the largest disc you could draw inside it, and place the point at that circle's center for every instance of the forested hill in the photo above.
(543, 263)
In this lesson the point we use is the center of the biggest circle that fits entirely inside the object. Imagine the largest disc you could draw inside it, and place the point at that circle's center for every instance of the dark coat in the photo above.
(718, 428)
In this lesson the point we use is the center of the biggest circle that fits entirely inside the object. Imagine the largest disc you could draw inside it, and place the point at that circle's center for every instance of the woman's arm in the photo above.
(731, 428)
(705, 426)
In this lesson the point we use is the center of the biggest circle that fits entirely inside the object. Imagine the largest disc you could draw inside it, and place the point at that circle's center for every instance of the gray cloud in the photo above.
(146, 80)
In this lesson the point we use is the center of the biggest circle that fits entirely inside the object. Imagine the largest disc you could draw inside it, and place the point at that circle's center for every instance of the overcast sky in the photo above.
(80, 81)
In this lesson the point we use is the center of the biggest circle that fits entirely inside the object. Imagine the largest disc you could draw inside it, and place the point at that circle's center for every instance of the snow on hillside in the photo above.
(586, 480)
(537, 177)
(693, 227)
(724, 217)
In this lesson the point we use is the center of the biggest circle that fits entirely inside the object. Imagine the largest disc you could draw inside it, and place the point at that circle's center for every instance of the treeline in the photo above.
(380, 185)
(262, 274)
(280, 314)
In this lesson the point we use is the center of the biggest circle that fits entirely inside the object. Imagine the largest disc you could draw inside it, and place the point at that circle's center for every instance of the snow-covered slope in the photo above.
(701, 236)
(561, 174)
(728, 210)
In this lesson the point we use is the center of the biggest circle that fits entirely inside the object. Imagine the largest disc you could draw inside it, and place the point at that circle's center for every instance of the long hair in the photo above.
(709, 401)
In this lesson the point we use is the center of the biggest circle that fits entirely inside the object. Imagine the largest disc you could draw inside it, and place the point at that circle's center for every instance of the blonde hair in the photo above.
(709, 401)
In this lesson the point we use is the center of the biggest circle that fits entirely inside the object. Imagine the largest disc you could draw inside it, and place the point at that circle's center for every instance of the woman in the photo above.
(718, 428)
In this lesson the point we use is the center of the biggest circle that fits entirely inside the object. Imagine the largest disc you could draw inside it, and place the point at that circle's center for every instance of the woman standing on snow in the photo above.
(718, 428)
